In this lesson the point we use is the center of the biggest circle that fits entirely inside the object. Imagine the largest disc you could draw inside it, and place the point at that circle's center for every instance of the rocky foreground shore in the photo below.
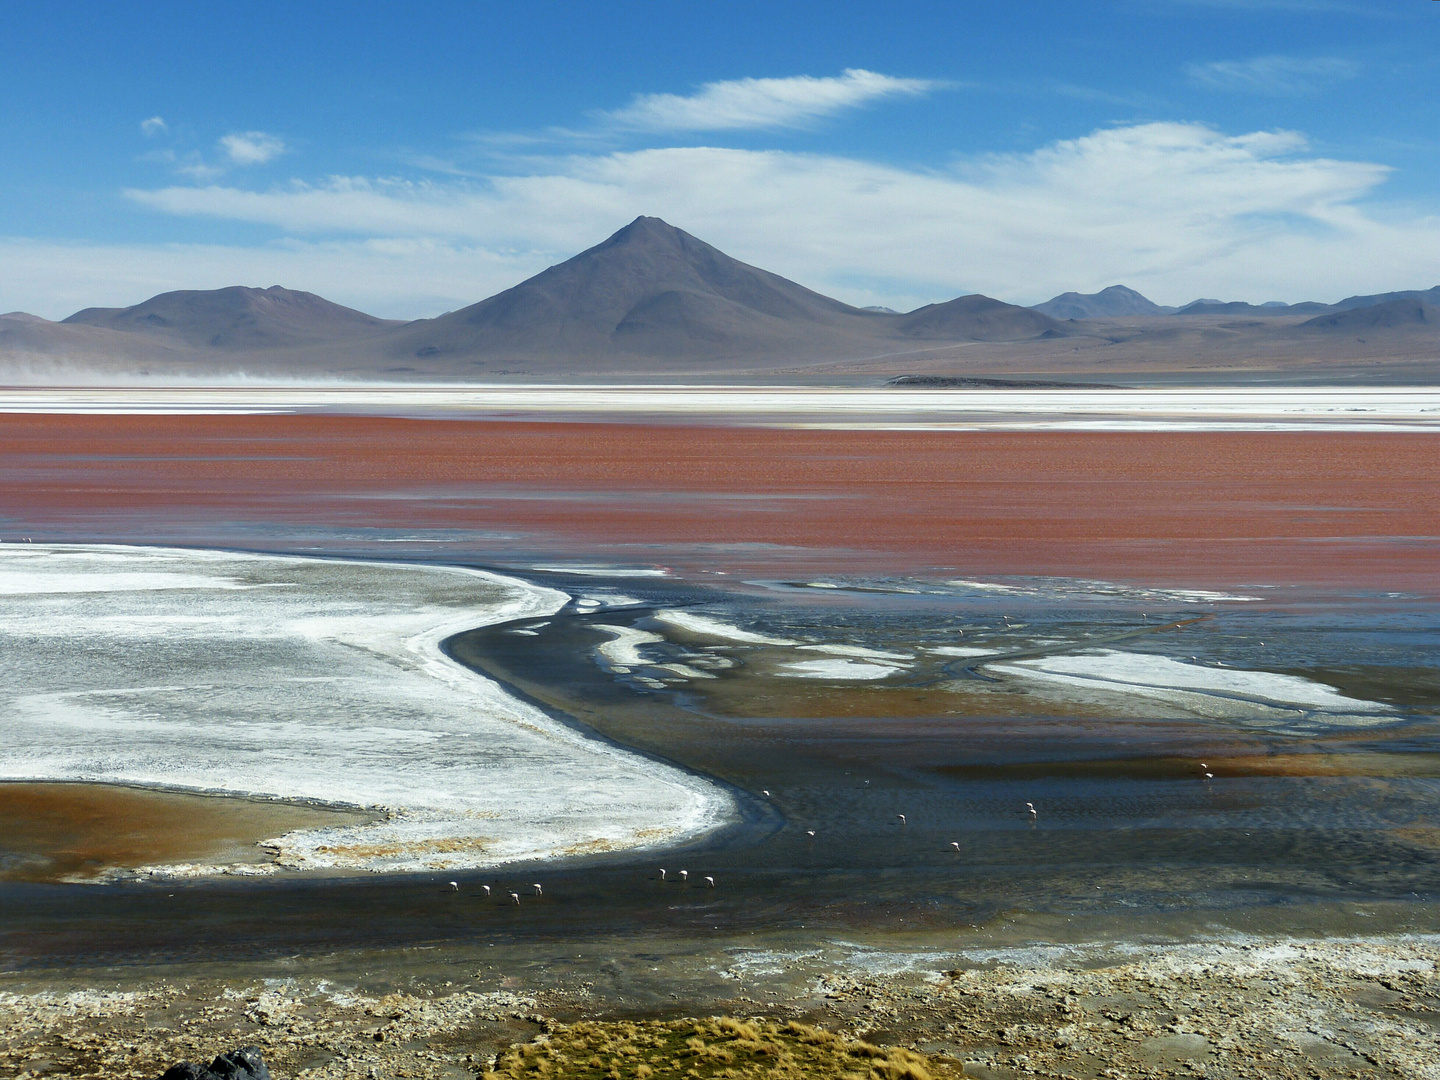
(1325, 1009)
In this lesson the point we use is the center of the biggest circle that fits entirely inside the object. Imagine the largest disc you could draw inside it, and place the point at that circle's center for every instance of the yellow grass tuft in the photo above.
(722, 1047)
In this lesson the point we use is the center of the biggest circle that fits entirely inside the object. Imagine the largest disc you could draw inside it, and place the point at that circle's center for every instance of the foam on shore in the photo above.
(318, 680)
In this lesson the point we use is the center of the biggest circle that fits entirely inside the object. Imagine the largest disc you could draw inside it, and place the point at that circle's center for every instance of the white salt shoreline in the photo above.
(1187, 408)
(318, 680)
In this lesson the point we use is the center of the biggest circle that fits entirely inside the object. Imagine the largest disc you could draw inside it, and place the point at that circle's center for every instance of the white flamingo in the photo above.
(515, 898)
(902, 818)
(538, 890)
(485, 889)
(709, 882)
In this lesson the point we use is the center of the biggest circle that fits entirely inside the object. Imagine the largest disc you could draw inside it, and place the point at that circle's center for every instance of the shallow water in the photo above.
(1315, 817)
(1333, 797)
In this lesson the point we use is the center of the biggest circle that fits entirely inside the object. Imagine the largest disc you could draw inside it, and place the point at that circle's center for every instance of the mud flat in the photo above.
(312, 681)
(86, 831)
(1264, 1008)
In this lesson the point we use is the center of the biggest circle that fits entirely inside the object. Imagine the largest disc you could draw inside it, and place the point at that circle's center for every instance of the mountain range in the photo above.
(653, 300)
(1118, 302)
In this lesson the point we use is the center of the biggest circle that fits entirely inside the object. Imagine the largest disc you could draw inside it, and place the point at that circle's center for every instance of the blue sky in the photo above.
(409, 159)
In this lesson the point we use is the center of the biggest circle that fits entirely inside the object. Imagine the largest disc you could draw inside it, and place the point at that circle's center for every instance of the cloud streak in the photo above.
(1272, 75)
(251, 147)
(761, 104)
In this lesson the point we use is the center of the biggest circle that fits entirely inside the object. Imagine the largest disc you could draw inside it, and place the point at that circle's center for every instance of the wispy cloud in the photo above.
(251, 147)
(154, 126)
(1271, 74)
(1176, 210)
(1350, 7)
(738, 104)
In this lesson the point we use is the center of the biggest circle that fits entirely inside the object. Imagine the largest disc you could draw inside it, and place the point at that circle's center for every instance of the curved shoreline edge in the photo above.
(530, 782)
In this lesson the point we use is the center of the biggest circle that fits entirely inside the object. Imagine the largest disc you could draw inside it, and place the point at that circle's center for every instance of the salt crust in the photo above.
(706, 626)
(837, 669)
(1213, 690)
(318, 680)
(1191, 408)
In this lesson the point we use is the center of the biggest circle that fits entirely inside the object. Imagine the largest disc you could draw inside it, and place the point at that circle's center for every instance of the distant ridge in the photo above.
(653, 300)
(1389, 315)
(1115, 302)
(1427, 296)
(237, 318)
(1240, 307)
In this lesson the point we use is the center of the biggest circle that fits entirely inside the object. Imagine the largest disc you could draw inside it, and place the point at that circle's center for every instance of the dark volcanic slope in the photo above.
(649, 290)
(1391, 315)
(1115, 302)
(237, 319)
(655, 291)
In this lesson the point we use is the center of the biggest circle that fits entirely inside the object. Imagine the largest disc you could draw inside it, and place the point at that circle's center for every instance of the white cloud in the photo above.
(761, 103)
(251, 147)
(154, 126)
(1175, 210)
(1271, 74)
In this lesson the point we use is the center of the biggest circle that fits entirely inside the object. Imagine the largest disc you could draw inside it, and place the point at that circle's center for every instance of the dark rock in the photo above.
(242, 1064)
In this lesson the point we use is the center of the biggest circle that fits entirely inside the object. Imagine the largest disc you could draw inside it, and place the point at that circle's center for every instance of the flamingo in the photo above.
(454, 886)
(1031, 807)
(955, 844)
(684, 875)
(810, 833)
(902, 818)
(486, 889)
(515, 898)
(538, 890)
(709, 882)
(662, 873)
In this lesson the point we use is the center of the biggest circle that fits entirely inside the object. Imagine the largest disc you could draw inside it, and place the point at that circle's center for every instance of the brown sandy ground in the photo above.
(1338, 1008)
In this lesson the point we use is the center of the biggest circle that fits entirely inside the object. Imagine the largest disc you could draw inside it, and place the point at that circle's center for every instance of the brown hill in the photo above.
(978, 318)
(237, 319)
(1117, 301)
